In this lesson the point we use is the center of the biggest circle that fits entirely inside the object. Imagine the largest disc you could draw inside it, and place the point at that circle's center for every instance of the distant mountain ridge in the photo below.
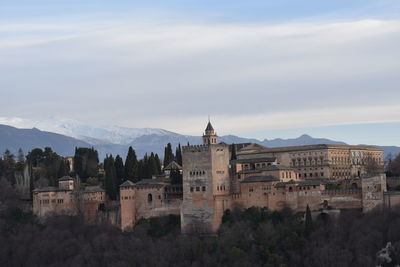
(81, 131)
(116, 140)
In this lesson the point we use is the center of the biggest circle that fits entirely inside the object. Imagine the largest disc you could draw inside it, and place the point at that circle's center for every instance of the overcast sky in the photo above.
(261, 69)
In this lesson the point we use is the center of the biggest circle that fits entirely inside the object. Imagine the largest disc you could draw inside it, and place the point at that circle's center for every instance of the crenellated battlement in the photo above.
(195, 148)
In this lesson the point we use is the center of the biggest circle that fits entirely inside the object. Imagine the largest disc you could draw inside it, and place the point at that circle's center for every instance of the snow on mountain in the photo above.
(94, 135)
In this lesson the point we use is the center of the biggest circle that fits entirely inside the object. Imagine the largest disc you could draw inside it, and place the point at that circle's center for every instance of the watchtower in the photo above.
(209, 136)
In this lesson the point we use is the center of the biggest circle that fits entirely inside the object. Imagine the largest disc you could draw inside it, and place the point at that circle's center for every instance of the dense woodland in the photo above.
(255, 237)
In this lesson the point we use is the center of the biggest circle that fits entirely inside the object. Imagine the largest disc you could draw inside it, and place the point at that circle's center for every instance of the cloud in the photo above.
(172, 75)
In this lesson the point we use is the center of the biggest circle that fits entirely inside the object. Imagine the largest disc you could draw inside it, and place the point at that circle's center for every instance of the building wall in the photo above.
(128, 207)
(53, 202)
(68, 202)
(321, 161)
(205, 177)
(138, 201)
(373, 189)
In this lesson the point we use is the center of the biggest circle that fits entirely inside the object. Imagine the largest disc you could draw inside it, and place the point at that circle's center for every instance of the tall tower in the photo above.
(206, 184)
(209, 136)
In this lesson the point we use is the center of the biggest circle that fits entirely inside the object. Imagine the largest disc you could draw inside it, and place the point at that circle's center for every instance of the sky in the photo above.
(260, 69)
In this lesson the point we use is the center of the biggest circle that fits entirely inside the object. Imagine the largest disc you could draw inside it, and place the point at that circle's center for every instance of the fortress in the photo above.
(219, 176)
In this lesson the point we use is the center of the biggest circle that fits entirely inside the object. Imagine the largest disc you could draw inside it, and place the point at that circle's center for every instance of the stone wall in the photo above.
(145, 201)
(205, 177)
(373, 189)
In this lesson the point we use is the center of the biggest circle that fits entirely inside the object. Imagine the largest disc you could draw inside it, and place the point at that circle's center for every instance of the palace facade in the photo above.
(219, 176)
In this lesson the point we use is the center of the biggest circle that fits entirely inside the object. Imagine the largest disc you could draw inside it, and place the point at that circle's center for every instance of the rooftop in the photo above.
(256, 160)
(66, 178)
(255, 179)
(255, 149)
(50, 189)
(173, 165)
(209, 127)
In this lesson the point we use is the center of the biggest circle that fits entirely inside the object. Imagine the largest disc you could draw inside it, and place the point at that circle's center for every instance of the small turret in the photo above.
(209, 136)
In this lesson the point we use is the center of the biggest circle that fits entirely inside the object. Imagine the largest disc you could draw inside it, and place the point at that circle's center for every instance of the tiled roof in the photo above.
(173, 165)
(209, 127)
(50, 189)
(127, 183)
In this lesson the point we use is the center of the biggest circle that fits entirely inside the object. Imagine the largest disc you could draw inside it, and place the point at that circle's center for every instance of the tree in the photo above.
(372, 167)
(35, 157)
(63, 170)
(120, 170)
(8, 157)
(21, 157)
(308, 224)
(8, 166)
(168, 155)
(158, 163)
(111, 185)
(178, 154)
(131, 166)
(394, 166)
(86, 163)
(152, 166)
(46, 164)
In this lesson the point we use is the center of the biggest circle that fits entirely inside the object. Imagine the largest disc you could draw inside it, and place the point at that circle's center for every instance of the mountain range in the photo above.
(63, 135)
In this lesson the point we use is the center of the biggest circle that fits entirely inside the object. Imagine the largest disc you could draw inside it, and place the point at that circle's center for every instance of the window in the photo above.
(197, 188)
(191, 189)
(251, 189)
(203, 188)
(149, 198)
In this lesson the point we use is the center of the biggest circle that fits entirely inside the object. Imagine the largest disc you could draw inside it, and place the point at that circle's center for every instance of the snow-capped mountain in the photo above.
(64, 135)
(94, 135)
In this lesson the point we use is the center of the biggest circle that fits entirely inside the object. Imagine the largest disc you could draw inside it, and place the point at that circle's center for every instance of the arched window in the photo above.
(149, 198)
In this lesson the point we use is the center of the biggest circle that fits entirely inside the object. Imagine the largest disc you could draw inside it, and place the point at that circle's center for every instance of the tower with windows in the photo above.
(209, 136)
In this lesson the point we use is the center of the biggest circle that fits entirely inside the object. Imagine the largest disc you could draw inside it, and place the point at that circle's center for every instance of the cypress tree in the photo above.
(178, 154)
(120, 170)
(63, 168)
(111, 185)
(152, 165)
(158, 163)
(168, 155)
(146, 169)
(141, 170)
(131, 166)
(86, 162)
